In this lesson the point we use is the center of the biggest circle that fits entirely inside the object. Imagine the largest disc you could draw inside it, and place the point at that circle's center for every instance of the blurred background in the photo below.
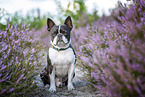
(37, 11)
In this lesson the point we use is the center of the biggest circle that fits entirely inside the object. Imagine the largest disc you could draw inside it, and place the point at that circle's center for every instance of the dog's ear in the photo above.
(68, 22)
(50, 24)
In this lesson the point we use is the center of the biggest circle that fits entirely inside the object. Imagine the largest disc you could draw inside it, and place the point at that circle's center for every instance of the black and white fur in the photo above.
(60, 64)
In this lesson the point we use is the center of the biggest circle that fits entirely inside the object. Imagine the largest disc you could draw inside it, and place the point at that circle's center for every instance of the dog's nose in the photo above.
(59, 36)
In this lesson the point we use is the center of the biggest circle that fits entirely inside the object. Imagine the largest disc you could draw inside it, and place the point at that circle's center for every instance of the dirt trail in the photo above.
(82, 88)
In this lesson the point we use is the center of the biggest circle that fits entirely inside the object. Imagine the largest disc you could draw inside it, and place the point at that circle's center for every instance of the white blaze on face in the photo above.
(58, 29)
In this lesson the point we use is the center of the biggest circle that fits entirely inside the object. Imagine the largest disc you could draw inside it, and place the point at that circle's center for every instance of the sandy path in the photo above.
(82, 88)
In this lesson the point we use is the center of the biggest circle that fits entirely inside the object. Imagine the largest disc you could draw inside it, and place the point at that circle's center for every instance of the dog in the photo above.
(61, 57)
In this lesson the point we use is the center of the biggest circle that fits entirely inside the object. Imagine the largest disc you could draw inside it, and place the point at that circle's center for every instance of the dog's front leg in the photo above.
(52, 80)
(70, 76)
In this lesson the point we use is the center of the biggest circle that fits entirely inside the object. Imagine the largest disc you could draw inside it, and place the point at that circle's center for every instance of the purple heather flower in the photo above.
(2, 90)
(10, 90)
(28, 25)
(3, 67)
(16, 27)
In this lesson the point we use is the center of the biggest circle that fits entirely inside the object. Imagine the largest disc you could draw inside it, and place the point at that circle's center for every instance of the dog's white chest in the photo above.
(61, 60)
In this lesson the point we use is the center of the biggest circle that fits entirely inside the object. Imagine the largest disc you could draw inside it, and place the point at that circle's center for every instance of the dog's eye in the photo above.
(64, 33)
(54, 33)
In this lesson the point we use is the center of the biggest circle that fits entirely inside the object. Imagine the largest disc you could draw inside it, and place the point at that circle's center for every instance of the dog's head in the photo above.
(60, 35)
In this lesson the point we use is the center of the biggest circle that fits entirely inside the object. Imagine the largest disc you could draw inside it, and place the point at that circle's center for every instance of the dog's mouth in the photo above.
(60, 42)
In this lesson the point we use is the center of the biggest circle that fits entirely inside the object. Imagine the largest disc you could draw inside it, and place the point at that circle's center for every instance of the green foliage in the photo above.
(33, 17)
(78, 11)
(3, 16)
(37, 21)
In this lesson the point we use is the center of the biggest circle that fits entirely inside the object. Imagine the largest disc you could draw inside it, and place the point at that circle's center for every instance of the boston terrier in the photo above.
(61, 56)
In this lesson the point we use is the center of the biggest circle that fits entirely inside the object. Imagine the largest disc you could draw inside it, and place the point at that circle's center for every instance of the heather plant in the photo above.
(20, 61)
(114, 54)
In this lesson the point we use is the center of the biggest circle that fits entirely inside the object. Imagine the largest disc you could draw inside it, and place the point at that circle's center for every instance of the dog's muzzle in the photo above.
(60, 37)
(60, 40)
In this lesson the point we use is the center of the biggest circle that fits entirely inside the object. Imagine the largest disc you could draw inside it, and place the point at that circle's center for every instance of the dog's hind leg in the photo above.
(45, 77)
(65, 79)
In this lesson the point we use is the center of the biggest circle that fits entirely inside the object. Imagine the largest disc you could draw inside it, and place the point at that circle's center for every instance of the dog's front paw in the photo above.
(52, 89)
(70, 87)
